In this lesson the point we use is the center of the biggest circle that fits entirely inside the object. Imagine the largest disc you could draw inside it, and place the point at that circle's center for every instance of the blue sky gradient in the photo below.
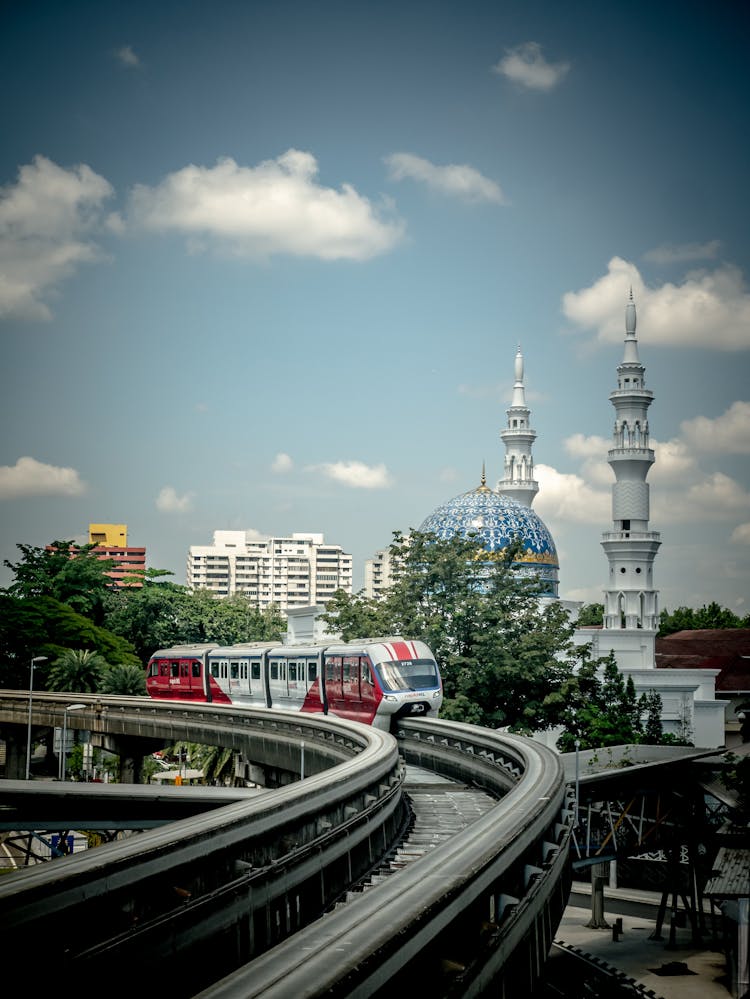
(266, 265)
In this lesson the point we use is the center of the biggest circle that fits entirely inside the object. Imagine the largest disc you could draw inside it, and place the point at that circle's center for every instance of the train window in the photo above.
(274, 671)
(174, 669)
(347, 670)
(243, 671)
(196, 670)
(312, 671)
(235, 671)
(333, 668)
(293, 671)
(215, 670)
(183, 669)
(255, 671)
(223, 665)
(164, 669)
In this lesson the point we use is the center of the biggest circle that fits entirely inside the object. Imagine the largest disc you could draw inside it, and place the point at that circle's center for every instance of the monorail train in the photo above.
(372, 680)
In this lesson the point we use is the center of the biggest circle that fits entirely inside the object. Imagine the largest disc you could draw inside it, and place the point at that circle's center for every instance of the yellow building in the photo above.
(111, 541)
(109, 535)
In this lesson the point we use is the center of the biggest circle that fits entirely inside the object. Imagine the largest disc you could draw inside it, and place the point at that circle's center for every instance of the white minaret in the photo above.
(518, 475)
(630, 600)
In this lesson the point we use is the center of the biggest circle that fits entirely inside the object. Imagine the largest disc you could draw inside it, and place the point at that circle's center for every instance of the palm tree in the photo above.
(124, 678)
(79, 671)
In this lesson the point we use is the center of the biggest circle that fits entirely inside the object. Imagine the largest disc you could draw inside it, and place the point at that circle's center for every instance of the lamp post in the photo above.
(34, 661)
(578, 746)
(64, 744)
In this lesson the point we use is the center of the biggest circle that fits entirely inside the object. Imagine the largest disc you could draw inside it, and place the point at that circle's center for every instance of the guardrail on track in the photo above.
(183, 904)
(479, 911)
(173, 910)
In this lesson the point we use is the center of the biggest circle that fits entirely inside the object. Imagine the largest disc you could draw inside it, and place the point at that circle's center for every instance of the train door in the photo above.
(237, 686)
(368, 689)
(334, 692)
(350, 684)
(259, 683)
(277, 683)
(296, 681)
(185, 668)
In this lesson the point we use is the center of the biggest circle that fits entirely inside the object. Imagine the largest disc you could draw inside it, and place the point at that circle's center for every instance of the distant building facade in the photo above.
(378, 573)
(111, 541)
(289, 572)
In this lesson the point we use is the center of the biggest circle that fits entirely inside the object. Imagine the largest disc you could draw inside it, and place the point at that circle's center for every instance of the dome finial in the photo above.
(484, 477)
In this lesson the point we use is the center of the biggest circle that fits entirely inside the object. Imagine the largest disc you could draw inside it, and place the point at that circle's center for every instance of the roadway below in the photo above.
(697, 972)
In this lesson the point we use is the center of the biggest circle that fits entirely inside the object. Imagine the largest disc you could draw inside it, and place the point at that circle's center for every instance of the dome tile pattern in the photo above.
(497, 520)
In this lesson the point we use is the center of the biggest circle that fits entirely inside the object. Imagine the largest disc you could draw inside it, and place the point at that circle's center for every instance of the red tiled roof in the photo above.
(725, 649)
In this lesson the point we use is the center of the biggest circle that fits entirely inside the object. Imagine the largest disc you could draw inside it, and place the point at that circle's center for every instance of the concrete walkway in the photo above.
(637, 956)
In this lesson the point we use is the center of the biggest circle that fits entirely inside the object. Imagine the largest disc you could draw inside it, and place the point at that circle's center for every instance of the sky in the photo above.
(266, 266)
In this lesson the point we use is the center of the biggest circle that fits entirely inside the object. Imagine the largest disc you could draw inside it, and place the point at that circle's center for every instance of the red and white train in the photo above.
(371, 680)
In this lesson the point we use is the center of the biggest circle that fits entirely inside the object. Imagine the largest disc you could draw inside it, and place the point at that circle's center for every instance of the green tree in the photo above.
(597, 707)
(590, 614)
(69, 573)
(653, 730)
(126, 679)
(709, 616)
(161, 614)
(43, 626)
(79, 671)
(354, 615)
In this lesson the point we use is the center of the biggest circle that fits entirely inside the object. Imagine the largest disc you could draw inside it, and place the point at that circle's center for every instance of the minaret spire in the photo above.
(518, 474)
(630, 598)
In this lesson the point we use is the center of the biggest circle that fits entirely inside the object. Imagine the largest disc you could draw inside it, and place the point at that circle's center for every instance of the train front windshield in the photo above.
(416, 674)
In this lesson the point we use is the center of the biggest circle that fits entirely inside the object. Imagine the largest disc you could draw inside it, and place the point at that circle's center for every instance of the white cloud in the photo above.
(457, 179)
(275, 207)
(727, 434)
(357, 474)
(567, 497)
(741, 534)
(683, 252)
(709, 309)
(45, 219)
(282, 463)
(29, 477)
(127, 56)
(716, 497)
(526, 65)
(168, 501)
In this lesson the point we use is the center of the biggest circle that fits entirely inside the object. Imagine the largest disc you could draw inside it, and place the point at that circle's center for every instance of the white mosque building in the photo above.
(631, 613)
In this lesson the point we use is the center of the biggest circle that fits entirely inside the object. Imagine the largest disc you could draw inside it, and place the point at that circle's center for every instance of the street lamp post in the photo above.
(578, 746)
(64, 744)
(34, 661)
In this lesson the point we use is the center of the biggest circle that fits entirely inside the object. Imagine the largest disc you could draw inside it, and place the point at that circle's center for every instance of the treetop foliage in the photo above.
(69, 573)
(708, 617)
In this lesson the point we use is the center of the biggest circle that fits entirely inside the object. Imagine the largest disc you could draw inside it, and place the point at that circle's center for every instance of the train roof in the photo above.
(280, 648)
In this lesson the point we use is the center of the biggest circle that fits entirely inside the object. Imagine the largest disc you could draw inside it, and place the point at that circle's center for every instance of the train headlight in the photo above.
(390, 697)
(436, 694)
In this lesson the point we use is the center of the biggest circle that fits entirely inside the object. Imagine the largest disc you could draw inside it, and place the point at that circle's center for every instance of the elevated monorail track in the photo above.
(240, 900)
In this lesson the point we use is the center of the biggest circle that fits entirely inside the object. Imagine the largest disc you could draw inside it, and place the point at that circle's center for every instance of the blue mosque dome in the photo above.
(496, 521)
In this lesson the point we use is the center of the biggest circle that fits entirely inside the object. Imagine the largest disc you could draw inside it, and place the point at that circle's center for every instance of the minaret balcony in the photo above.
(630, 452)
(631, 536)
(632, 393)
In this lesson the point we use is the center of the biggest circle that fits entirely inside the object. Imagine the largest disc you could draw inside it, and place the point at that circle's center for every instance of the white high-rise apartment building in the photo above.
(288, 572)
